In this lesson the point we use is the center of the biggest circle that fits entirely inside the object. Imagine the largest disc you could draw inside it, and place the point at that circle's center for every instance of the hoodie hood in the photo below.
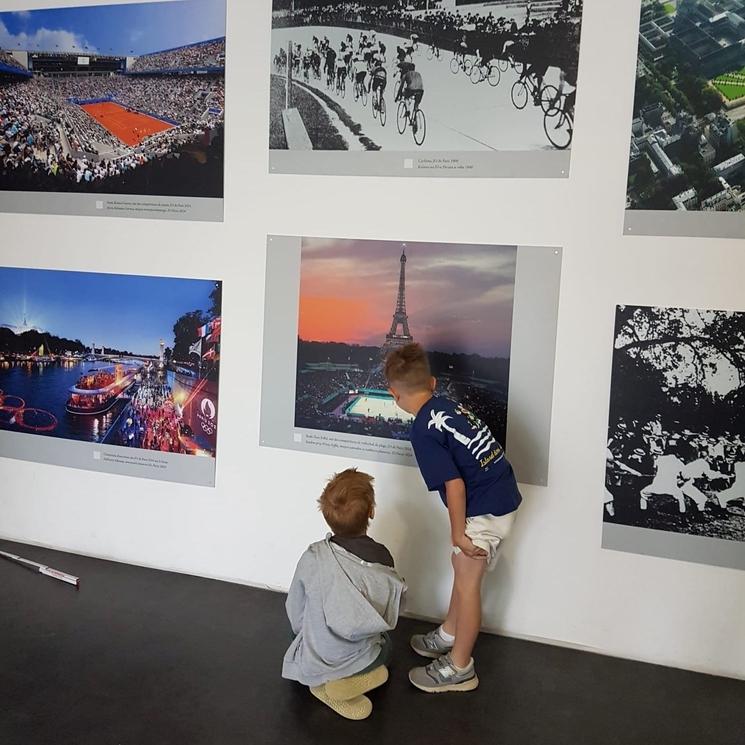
(358, 598)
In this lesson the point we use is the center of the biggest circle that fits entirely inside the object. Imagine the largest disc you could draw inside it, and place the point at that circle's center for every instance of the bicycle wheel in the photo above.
(454, 65)
(364, 95)
(374, 106)
(419, 127)
(549, 93)
(504, 65)
(467, 65)
(430, 52)
(494, 76)
(558, 130)
(402, 117)
(518, 66)
(519, 94)
(476, 75)
(383, 112)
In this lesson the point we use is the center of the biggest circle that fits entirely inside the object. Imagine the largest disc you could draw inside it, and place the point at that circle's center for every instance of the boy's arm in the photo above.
(295, 604)
(455, 493)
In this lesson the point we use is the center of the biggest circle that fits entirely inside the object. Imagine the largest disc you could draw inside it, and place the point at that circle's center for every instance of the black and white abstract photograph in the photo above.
(429, 76)
(675, 458)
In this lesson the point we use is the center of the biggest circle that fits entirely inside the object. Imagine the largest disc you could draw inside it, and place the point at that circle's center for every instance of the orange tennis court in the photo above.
(128, 126)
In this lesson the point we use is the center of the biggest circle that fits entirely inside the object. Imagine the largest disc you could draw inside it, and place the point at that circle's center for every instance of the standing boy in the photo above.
(343, 600)
(459, 457)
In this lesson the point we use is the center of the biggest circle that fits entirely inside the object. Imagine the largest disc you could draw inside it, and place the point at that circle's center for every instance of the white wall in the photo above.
(555, 582)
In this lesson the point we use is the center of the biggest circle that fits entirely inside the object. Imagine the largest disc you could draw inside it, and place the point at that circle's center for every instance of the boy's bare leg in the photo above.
(468, 576)
(450, 624)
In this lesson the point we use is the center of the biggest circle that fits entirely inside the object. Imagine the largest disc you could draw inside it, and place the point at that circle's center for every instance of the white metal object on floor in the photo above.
(43, 569)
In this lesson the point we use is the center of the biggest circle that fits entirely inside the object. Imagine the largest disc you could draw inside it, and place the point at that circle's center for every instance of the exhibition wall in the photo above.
(555, 582)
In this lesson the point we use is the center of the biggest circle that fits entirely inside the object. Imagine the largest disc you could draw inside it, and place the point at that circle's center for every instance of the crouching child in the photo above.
(344, 599)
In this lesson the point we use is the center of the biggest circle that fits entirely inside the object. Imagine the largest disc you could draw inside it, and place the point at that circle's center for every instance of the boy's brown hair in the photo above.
(346, 502)
(408, 367)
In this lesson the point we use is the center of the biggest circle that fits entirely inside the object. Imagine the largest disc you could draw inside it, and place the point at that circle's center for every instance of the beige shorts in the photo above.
(488, 532)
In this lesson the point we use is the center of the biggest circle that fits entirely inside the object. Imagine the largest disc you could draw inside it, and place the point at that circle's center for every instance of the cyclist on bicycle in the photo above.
(367, 53)
(537, 68)
(485, 60)
(567, 77)
(462, 51)
(412, 87)
(360, 73)
(330, 68)
(411, 45)
(341, 71)
(379, 77)
(405, 65)
(281, 59)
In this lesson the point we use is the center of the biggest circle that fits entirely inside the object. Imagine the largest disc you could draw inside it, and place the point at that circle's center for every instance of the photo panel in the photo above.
(675, 459)
(114, 110)
(110, 372)
(443, 88)
(687, 157)
(486, 314)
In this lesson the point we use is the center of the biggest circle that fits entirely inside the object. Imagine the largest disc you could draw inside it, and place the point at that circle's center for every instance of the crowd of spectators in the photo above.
(322, 397)
(209, 54)
(447, 28)
(152, 421)
(6, 58)
(42, 131)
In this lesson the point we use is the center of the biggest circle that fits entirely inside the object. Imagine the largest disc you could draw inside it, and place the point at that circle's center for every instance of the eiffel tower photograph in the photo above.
(360, 299)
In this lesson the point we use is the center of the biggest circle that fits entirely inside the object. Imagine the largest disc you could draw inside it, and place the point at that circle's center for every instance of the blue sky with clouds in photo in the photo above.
(127, 29)
(116, 310)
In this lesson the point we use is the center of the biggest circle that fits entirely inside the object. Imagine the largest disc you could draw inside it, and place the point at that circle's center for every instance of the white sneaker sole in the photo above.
(468, 685)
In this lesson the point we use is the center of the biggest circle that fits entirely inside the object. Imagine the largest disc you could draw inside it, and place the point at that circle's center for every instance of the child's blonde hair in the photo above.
(408, 367)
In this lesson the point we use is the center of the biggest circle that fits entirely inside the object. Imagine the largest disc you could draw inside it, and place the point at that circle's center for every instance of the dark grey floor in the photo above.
(138, 656)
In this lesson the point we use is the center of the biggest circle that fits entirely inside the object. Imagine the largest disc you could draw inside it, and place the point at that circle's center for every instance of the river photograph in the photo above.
(131, 361)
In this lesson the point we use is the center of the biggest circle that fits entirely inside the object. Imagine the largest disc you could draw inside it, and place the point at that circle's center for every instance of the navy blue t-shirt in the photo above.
(450, 443)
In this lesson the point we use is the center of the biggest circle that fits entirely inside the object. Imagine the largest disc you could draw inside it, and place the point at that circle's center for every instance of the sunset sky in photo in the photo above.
(459, 297)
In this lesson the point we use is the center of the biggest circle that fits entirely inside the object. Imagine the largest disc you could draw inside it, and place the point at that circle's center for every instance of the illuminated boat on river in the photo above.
(98, 389)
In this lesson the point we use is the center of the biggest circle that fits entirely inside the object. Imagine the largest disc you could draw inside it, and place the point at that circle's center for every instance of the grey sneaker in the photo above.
(430, 645)
(441, 676)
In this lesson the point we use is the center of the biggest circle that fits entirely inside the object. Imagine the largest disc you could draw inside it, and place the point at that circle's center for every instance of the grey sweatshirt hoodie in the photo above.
(338, 606)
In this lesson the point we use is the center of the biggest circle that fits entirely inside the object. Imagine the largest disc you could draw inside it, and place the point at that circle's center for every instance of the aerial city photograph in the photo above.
(688, 131)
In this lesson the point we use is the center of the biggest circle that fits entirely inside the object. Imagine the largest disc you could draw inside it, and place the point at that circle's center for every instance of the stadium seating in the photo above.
(42, 129)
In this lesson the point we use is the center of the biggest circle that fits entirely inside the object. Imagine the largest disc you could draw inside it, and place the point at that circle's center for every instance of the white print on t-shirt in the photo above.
(477, 445)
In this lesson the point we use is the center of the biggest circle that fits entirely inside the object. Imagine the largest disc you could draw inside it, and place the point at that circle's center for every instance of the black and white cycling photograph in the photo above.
(675, 458)
(477, 79)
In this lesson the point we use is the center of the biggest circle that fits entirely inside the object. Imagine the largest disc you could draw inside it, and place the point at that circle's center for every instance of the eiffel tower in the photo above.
(394, 339)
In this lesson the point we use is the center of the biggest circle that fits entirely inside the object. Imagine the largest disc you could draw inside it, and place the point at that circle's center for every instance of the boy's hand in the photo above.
(466, 545)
